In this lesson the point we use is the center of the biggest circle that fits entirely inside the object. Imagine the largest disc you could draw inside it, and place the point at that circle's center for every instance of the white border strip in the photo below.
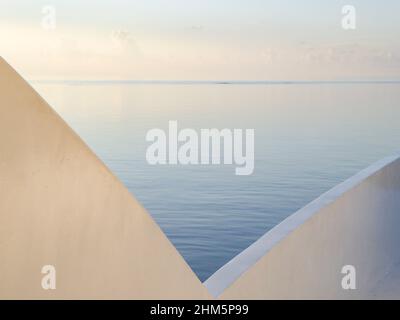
(231, 271)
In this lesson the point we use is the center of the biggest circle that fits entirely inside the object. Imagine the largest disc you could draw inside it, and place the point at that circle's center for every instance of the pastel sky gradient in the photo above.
(202, 39)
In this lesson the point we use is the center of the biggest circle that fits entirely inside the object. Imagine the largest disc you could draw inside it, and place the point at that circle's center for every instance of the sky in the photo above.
(200, 39)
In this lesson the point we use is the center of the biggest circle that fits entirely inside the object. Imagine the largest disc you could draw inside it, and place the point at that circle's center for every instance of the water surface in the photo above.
(308, 138)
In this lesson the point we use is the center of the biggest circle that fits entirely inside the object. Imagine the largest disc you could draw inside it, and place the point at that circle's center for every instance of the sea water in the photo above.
(308, 138)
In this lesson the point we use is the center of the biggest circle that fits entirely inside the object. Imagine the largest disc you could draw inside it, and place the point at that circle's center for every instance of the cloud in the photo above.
(121, 54)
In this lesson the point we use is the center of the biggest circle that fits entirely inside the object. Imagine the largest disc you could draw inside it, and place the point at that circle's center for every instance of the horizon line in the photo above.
(219, 82)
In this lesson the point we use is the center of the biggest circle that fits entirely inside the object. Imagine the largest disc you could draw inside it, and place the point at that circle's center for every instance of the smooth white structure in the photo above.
(356, 223)
(60, 206)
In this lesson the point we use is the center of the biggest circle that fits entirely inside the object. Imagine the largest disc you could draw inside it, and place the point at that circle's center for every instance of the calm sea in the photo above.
(308, 138)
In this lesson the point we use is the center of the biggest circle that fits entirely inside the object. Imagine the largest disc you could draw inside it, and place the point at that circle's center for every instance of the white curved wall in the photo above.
(59, 205)
(356, 223)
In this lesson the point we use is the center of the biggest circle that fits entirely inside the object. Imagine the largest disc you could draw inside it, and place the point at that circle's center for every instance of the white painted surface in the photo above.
(355, 223)
(60, 206)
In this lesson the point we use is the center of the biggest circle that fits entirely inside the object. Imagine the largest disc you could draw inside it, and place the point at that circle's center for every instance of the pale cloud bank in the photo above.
(123, 54)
